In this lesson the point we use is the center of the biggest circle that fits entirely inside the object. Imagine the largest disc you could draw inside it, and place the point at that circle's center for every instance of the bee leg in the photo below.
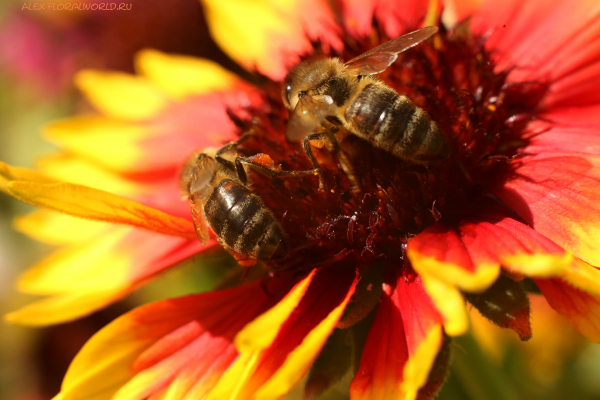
(344, 162)
(311, 156)
(228, 147)
(241, 161)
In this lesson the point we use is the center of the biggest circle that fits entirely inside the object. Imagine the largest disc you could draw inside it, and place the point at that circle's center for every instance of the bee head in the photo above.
(309, 77)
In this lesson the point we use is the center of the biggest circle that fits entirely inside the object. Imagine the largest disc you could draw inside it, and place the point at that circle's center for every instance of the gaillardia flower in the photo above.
(382, 256)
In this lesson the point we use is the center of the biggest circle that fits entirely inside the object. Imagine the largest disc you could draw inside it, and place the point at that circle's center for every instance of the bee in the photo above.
(219, 197)
(347, 94)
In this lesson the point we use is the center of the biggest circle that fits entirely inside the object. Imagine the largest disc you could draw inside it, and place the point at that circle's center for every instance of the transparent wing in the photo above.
(199, 219)
(202, 175)
(378, 59)
(308, 115)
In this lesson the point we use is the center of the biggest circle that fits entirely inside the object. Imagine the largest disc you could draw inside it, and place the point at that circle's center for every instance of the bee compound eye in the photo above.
(202, 174)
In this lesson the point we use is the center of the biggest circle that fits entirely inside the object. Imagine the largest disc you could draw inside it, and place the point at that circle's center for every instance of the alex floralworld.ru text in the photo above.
(77, 6)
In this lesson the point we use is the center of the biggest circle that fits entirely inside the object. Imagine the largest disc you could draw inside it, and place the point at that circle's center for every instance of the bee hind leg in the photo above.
(230, 146)
(343, 160)
(241, 172)
(311, 156)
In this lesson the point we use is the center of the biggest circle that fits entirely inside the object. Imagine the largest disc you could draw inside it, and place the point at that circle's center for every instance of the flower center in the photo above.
(483, 119)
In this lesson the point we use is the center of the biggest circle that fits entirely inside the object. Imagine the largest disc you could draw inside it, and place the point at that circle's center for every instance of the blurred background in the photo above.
(39, 53)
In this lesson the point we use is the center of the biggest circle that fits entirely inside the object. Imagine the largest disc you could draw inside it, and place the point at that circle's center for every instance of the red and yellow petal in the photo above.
(196, 123)
(86, 276)
(270, 366)
(120, 95)
(449, 302)
(394, 16)
(85, 202)
(575, 294)
(112, 143)
(557, 194)
(259, 35)
(468, 256)
(179, 346)
(569, 61)
(580, 308)
(403, 342)
(57, 228)
(178, 106)
(180, 77)
(65, 167)
(451, 254)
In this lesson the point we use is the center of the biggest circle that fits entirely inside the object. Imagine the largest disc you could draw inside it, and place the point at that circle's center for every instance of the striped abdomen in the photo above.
(243, 222)
(393, 123)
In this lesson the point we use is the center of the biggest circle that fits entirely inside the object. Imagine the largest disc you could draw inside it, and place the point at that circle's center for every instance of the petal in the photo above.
(581, 117)
(74, 169)
(557, 194)
(108, 142)
(183, 343)
(394, 16)
(85, 277)
(569, 57)
(398, 16)
(260, 333)
(9, 173)
(62, 308)
(580, 309)
(464, 8)
(84, 202)
(449, 302)
(451, 254)
(488, 238)
(301, 358)
(167, 139)
(90, 266)
(262, 372)
(519, 248)
(564, 139)
(183, 76)
(121, 257)
(262, 34)
(358, 16)
(56, 228)
(402, 344)
(582, 276)
(249, 343)
(196, 123)
(121, 95)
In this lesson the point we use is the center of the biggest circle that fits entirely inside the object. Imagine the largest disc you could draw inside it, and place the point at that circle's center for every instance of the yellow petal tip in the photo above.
(120, 95)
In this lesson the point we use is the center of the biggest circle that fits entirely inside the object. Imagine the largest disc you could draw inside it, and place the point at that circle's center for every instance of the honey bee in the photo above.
(219, 198)
(347, 94)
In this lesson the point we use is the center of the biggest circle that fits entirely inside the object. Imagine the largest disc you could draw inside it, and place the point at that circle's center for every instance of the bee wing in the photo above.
(199, 219)
(201, 176)
(308, 115)
(378, 59)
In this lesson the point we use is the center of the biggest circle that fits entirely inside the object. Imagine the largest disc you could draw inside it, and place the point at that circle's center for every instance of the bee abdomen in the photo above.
(367, 111)
(243, 222)
(393, 123)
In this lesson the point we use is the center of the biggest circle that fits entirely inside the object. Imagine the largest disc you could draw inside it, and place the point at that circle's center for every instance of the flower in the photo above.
(390, 265)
